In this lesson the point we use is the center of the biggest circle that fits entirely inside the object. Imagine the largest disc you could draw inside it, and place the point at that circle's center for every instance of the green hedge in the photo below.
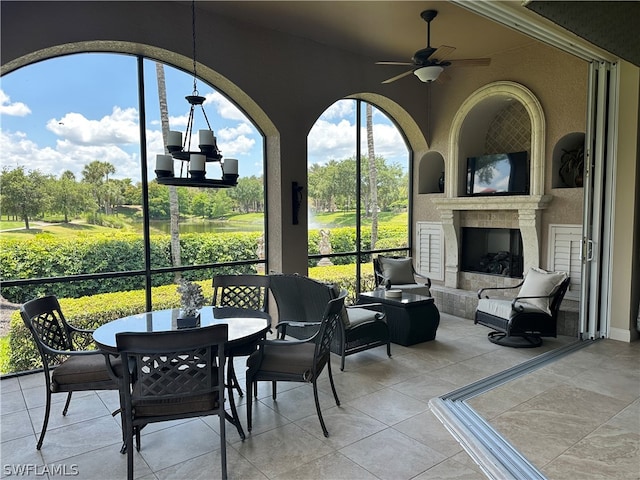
(45, 256)
(92, 311)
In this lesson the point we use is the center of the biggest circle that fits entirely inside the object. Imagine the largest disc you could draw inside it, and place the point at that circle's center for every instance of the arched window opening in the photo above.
(82, 213)
(359, 171)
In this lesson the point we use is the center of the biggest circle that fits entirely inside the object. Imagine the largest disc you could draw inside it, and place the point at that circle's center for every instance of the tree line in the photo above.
(28, 195)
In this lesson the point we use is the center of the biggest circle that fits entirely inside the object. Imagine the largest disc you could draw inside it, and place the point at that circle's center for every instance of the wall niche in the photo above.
(430, 173)
(568, 161)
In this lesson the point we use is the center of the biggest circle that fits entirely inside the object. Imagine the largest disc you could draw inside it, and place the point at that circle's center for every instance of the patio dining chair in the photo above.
(172, 375)
(67, 367)
(240, 291)
(297, 360)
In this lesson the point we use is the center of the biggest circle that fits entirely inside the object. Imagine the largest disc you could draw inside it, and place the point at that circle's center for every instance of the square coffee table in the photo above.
(411, 318)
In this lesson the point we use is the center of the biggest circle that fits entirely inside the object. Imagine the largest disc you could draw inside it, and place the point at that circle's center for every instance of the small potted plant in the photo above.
(191, 301)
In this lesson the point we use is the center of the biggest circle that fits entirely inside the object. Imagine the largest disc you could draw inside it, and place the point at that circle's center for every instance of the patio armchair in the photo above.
(67, 368)
(172, 375)
(399, 273)
(297, 360)
(522, 321)
(301, 302)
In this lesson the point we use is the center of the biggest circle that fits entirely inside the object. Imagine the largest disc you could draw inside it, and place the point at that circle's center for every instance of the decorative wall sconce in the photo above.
(296, 201)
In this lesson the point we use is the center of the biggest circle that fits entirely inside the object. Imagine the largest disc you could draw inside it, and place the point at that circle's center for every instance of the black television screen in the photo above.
(498, 174)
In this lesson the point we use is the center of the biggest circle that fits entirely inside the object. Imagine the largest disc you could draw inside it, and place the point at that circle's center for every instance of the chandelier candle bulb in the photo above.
(164, 163)
(174, 139)
(206, 137)
(197, 162)
(230, 166)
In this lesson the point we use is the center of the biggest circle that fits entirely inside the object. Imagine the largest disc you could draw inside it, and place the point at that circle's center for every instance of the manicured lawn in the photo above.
(59, 230)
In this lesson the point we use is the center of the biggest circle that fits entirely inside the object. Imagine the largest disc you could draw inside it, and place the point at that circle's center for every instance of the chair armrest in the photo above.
(376, 307)
(425, 279)
(282, 326)
(53, 351)
(79, 330)
(520, 308)
(497, 288)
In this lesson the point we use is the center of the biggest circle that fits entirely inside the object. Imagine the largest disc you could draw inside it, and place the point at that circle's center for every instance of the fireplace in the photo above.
(492, 251)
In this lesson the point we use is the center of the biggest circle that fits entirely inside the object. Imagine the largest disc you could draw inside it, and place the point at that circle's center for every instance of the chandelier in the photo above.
(179, 147)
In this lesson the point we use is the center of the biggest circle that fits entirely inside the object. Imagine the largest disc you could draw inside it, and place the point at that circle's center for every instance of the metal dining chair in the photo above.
(245, 291)
(67, 368)
(172, 375)
(297, 360)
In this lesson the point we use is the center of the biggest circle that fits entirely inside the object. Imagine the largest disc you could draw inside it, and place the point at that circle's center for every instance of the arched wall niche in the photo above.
(430, 169)
(470, 126)
(469, 137)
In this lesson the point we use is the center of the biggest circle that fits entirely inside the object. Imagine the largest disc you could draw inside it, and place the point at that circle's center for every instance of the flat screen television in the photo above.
(498, 174)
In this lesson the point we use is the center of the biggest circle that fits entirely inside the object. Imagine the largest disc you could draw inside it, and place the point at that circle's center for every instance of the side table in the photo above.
(411, 318)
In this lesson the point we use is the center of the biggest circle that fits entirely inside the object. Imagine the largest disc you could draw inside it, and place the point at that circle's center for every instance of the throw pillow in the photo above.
(397, 270)
(540, 283)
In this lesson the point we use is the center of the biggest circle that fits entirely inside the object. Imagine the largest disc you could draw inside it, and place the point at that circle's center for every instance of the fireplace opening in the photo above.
(492, 251)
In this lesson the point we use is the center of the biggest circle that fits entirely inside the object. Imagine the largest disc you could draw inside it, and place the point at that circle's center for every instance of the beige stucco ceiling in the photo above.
(382, 30)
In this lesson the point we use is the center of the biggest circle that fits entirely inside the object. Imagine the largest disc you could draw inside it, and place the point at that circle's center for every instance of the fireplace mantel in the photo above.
(527, 206)
(502, 202)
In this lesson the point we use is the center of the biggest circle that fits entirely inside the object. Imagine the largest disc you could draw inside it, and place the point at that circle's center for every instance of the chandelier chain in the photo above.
(193, 30)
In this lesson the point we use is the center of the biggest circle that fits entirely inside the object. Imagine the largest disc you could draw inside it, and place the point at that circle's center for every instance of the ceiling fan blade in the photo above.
(394, 63)
(443, 51)
(470, 62)
(397, 77)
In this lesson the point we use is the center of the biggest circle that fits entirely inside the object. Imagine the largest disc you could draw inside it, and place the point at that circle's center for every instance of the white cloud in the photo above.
(15, 109)
(328, 141)
(121, 127)
(340, 109)
(224, 107)
(18, 150)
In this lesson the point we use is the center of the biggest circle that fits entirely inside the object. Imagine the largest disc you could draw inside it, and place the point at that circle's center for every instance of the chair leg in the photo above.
(233, 380)
(389, 348)
(273, 387)
(250, 386)
(223, 443)
(47, 410)
(315, 397)
(129, 447)
(333, 387)
(66, 405)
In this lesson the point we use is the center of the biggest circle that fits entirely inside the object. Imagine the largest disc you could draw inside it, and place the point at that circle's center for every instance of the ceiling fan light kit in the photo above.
(428, 74)
(424, 63)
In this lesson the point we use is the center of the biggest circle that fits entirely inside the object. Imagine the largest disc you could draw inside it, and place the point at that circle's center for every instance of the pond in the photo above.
(207, 226)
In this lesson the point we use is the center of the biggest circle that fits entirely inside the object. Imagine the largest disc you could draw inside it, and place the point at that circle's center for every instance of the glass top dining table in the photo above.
(245, 326)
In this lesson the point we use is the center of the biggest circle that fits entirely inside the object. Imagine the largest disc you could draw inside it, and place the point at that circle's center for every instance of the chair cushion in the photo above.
(176, 406)
(83, 369)
(358, 315)
(285, 357)
(397, 270)
(336, 291)
(502, 308)
(539, 282)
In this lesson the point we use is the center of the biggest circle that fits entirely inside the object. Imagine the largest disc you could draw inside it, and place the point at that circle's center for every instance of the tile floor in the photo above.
(576, 418)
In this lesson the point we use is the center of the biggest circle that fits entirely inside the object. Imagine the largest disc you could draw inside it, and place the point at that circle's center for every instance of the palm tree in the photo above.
(373, 178)
(174, 210)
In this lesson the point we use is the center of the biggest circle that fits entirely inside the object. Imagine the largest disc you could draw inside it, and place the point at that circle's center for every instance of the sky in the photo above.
(63, 113)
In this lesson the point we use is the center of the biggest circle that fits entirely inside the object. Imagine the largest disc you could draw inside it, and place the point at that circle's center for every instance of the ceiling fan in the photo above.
(428, 66)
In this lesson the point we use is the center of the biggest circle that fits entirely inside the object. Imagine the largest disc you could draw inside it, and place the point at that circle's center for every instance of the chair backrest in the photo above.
(300, 298)
(43, 317)
(180, 366)
(330, 321)
(556, 299)
(241, 291)
(393, 270)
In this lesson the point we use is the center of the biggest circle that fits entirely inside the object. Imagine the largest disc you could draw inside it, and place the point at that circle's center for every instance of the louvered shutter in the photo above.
(430, 250)
(565, 243)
